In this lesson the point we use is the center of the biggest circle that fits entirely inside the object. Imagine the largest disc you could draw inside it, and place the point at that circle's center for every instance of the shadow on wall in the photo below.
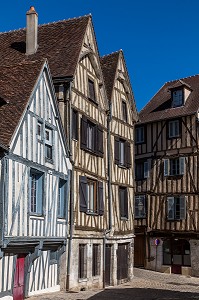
(143, 294)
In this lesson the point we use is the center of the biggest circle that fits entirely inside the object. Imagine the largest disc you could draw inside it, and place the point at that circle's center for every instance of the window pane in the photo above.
(122, 145)
(62, 199)
(33, 193)
(124, 111)
(48, 150)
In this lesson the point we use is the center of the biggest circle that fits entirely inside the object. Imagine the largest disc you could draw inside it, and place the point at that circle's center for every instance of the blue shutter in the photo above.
(166, 167)
(170, 208)
(39, 192)
(182, 207)
(182, 165)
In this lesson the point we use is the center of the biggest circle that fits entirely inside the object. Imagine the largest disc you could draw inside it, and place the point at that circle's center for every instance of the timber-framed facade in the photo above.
(166, 172)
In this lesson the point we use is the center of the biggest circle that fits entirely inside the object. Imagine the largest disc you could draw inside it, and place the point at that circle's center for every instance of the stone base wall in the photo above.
(194, 247)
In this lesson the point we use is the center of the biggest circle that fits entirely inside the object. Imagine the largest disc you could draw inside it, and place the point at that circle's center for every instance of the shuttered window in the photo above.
(91, 87)
(91, 196)
(176, 208)
(74, 124)
(36, 192)
(174, 166)
(96, 260)
(62, 197)
(142, 169)
(91, 137)
(82, 267)
(122, 153)
(140, 207)
(123, 201)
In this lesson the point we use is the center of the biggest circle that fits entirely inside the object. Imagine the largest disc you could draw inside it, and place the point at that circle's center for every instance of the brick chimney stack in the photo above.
(31, 31)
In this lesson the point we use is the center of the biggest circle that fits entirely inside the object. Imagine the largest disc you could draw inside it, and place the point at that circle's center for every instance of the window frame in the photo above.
(178, 209)
(171, 162)
(171, 128)
(38, 192)
(82, 256)
(92, 204)
(143, 199)
(49, 144)
(96, 256)
(62, 199)
(92, 93)
(124, 111)
(145, 167)
(182, 97)
(123, 203)
(75, 123)
(139, 137)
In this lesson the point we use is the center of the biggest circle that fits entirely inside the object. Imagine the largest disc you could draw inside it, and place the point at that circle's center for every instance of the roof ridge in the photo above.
(49, 23)
(181, 78)
(114, 52)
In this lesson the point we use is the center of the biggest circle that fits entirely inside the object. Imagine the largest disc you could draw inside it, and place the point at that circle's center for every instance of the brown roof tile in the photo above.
(16, 85)
(59, 42)
(159, 107)
(109, 67)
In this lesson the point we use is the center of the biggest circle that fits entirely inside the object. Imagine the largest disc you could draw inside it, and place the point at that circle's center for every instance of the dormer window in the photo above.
(177, 98)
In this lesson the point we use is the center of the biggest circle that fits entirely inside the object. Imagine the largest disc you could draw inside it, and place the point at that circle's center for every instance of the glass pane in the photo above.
(187, 261)
(177, 259)
(121, 153)
(166, 259)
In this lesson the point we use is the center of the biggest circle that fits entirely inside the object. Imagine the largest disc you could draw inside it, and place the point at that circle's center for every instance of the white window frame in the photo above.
(62, 197)
(174, 128)
(48, 143)
(36, 192)
(167, 166)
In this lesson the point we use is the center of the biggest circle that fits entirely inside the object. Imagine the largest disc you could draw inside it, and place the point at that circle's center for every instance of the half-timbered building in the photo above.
(71, 49)
(121, 119)
(34, 178)
(167, 186)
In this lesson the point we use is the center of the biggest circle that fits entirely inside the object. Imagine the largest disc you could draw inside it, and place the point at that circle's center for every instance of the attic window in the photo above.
(177, 98)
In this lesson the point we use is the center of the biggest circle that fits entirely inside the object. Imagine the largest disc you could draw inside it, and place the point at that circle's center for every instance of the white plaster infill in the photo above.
(6, 298)
(52, 289)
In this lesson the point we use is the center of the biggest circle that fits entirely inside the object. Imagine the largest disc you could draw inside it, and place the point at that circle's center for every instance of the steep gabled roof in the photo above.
(109, 67)
(159, 107)
(59, 42)
(17, 83)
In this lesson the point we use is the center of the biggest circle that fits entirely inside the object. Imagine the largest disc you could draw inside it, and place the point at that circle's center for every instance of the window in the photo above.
(176, 208)
(91, 87)
(123, 200)
(174, 166)
(82, 261)
(140, 207)
(91, 137)
(177, 98)
(91, 196)
(124, 111)
(139, 135)
(122, 153)
(36, 192)
(142, 169)
(74, 124)
(61, 209)
(176, 252)
(174, 128)
(39, 131)
(48, 143)
(96, 260)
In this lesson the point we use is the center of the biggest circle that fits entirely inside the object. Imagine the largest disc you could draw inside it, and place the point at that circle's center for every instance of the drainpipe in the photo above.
(71, 216)
(109, 118)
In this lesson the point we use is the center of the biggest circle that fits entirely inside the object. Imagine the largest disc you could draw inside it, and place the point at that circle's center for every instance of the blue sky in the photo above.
(160, 39)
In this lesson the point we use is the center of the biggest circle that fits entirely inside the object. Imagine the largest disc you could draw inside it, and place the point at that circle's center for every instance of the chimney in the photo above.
(31, 31)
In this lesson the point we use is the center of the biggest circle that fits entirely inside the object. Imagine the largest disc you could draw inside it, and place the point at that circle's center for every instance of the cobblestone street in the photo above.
(145, 285)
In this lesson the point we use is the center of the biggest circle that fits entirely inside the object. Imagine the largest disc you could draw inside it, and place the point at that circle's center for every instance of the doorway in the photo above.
(108, 265)
(122, 261)
(139, 251)
(18, 287)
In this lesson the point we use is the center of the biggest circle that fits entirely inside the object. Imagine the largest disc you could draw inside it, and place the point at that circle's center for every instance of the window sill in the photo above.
(92, 213)
(175, 220)
(174, 137)
(124, 219)
(82, 279)
(171, 177)
(140, 143)
(142, 218)
(122, 167)
(48, 160)
(61, 218)
(32, 214)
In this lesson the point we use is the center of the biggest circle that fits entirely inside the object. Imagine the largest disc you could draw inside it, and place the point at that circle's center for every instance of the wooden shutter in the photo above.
(146, 169)
(126, 203)
(83, 193)
(99, 141)
(181, 165)
(170, 208)
(182, 207)
(39, 193)
(74, 124)
(117, 151)
(91, 90)
(127, 155)
(83, 133)
(166, 167)
(100, 198)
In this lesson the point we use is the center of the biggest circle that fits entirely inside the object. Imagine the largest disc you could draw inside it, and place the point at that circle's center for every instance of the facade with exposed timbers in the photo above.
(34, 180)
(166, 173)
(100, 143)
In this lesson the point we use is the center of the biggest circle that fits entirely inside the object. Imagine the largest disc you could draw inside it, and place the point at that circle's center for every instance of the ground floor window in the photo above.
(176, 252)
(96, 260)
(82, 261)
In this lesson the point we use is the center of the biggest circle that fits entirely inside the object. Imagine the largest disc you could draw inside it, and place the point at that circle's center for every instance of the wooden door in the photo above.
(108, 265)
(18, 288)
(176, 269)
(139, 251)
(122, 261)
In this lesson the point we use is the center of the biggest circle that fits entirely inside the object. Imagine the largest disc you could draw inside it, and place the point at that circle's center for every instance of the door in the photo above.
(108, 264)
(139, 251)
(122, 261)
(18, 288)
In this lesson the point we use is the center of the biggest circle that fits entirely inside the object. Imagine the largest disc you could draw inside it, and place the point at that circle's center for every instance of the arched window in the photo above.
(176, 252)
